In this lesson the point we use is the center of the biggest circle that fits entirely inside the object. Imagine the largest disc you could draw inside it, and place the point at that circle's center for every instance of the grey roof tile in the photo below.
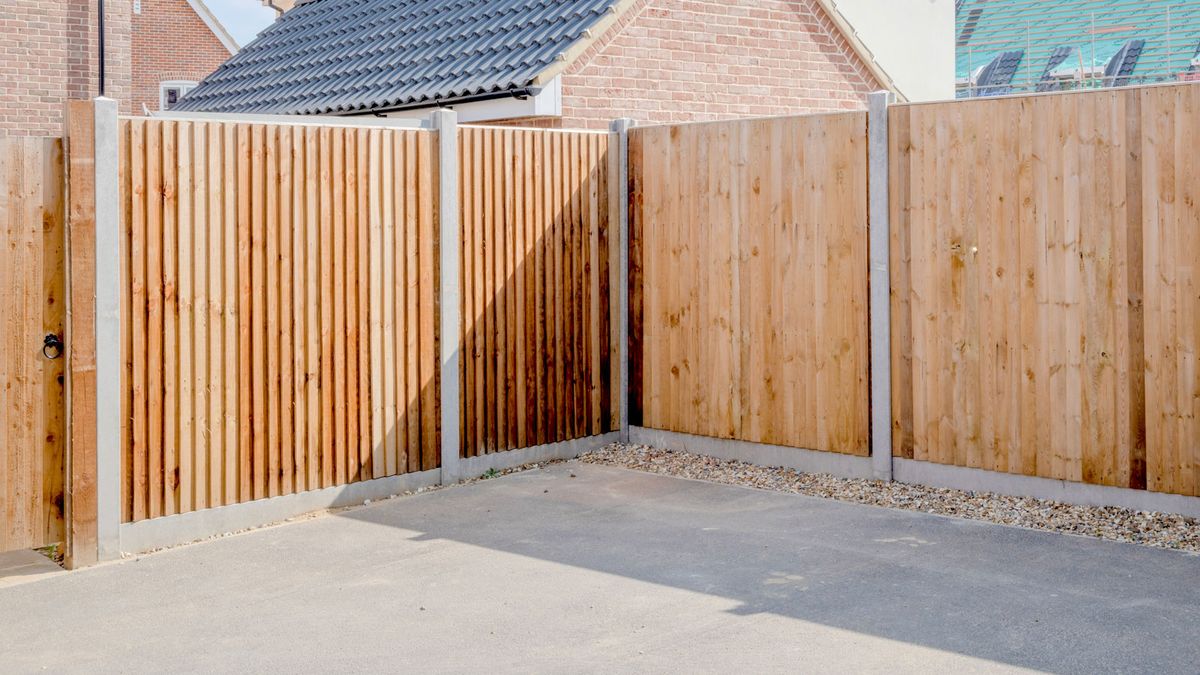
(345, 56)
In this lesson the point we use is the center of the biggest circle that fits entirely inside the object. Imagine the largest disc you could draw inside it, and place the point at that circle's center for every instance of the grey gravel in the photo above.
(1136, 527)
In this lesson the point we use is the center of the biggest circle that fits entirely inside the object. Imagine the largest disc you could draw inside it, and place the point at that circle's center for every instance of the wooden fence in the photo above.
(748, 280)
(32, 305)
(539, 353)
(280, 290)
(1026, 233)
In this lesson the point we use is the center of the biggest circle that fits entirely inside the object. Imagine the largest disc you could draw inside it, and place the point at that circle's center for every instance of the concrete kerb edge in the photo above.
(148, 535)
(474, 467)
(926, 474)
(916, 472)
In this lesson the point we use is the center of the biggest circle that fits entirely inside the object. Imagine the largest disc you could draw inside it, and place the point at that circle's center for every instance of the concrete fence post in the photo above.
(619, 141)
(108, 330)
(880, 295)
(450, 293)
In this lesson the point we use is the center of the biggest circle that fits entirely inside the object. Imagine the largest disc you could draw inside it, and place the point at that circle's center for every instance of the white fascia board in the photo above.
(214, 24)
(547, 103)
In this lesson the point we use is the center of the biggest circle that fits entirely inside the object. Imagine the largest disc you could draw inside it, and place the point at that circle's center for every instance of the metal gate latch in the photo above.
(52, 346)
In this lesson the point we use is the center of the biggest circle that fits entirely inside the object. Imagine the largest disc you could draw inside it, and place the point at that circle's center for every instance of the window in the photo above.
(171, 91)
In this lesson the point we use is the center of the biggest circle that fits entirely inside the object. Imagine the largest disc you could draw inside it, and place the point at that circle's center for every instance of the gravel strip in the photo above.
(1136, 527)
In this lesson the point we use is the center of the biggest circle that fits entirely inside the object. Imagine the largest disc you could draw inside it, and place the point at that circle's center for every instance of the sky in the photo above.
(242, 18)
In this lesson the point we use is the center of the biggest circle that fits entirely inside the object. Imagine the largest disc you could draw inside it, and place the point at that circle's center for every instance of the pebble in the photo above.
(1159, 530)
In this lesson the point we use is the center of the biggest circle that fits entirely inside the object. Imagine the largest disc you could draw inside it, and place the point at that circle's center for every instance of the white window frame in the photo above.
(183, 85)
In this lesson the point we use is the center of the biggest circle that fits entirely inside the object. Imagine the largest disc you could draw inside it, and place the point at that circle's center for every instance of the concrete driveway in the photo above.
(613, 571)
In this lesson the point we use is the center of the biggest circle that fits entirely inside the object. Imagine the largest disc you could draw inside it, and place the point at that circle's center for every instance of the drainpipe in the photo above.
(100, 28)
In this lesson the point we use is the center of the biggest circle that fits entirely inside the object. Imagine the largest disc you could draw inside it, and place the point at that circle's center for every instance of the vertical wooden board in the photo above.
(477, 289)
(337, 269)
(140, 197)
(259, 411)
(541, 234)
(412, 381)
(300, 187)
(171, 347)
(365, 402)
(327, 401)
(201, 266)
(404, 189)
(185, 292)
(245, 311)
(231, 312)
(467, 190)
(427, 241)
(636, 310)
(517, 283)
(286, 329)
(393, 410)
(496, 293)
(900, 157)
(271, 334)
(216, 272)
(124, 310)
(53, 320)
(351, 285)
(1132, 322)
(375, 235)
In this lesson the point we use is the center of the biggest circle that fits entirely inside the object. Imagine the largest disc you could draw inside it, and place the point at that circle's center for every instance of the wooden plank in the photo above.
(286, 224)
(468, 185)
(53, 321)
(216, 272)
(392, 407)
(363, 261)
(375, 206)
(353, 436)
(81, 223)
(413, 384)
(246, 420)
(300, 186)
(326, 304)
(427, 241)
(185, 346)
(171, 347)
(259, 410)
(139, 196)
(231, 314)
(201, 268)
(341, 449)
(271, 332)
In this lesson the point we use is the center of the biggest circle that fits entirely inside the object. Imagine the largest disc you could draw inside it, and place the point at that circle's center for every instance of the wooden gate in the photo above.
(32, 420)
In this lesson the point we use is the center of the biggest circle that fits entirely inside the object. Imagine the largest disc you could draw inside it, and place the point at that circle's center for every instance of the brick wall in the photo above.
(170, 42)
(48, 54)
(697, 60)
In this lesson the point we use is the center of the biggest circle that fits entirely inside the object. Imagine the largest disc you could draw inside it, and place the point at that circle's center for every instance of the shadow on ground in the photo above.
(1005, 595)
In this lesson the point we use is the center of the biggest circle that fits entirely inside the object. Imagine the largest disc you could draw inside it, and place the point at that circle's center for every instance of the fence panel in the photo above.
(538, 365)
(32, 304)
(749, 281)
(1019, 343)
(1170, 122)
(281, 290)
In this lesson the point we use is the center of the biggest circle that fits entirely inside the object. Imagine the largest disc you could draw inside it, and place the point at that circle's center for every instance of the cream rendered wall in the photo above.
(912, 40)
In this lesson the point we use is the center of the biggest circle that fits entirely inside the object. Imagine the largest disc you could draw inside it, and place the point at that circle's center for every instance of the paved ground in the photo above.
(617, 571)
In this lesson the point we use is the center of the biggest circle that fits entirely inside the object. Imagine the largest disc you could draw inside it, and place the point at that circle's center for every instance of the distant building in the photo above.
(154, 51)
(1015, 46)
(582, 63)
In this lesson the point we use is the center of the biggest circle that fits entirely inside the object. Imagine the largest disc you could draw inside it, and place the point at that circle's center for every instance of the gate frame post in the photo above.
(450, 291)
(879, 214)
(93, 327)
(619, 131)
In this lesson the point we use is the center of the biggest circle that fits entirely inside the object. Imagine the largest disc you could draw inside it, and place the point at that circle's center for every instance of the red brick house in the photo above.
(575, 63)
(49, 53)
